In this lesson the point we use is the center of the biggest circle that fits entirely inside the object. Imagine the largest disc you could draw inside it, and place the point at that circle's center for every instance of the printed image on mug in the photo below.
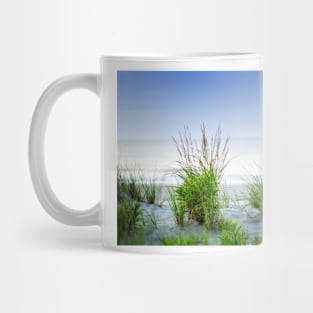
(189, 157)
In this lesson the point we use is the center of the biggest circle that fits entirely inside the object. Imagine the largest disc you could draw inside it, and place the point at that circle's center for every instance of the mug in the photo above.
(181, 141)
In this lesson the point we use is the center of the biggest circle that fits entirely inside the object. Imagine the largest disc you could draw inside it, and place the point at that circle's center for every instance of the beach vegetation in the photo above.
(185, 239)
(149, 189)
(180, 240)
(129, 217)
(257, 240)
(177, 209)
(131, 183)
(200, 170)
(255, 191)
(232, 234)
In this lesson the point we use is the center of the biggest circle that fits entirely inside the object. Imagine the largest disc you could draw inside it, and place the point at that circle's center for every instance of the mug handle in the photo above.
(45, 194)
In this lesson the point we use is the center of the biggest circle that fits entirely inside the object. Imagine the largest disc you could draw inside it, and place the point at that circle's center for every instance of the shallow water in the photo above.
(160, 222)
(250, 219)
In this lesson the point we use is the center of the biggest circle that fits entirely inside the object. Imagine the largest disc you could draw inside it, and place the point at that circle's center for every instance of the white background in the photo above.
(49, 267)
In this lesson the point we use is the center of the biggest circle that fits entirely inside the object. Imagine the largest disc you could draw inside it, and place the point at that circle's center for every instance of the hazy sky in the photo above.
(155, 105)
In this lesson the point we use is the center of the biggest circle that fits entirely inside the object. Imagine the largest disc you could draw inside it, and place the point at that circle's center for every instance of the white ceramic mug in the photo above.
(162, 119)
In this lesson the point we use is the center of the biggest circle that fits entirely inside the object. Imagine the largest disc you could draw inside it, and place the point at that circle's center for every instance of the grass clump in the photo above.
(133, 184)
(177, 209)
(252, 197)
(200, 170)
(133, 189)
(129, 218)
(255, 191)
(129, 183)
(232, 234)
(149, 189)
(198, 195)
(257, 240)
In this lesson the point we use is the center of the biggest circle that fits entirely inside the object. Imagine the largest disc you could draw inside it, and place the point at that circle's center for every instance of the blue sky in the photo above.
(155, 105)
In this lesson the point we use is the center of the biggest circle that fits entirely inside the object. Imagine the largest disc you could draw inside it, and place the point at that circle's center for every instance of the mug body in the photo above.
(181, 141)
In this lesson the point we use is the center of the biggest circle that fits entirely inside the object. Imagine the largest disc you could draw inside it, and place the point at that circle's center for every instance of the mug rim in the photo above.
(199, 56)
